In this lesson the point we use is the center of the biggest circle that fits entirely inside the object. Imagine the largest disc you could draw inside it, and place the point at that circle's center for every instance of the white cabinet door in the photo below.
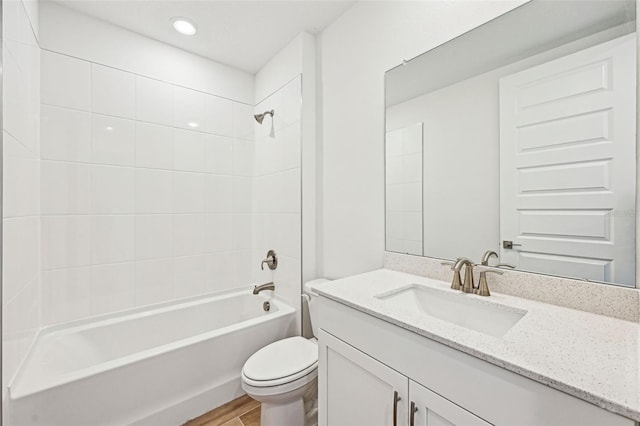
(356, 390)
(430, 409)
(567, 160)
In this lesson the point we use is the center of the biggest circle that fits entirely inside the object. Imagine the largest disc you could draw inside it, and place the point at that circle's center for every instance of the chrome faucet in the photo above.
(268, 286)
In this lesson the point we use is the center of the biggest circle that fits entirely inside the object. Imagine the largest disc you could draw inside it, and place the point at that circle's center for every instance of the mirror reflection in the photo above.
(525, 129)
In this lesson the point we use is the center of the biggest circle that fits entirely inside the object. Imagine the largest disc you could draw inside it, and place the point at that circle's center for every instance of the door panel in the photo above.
(567, 160)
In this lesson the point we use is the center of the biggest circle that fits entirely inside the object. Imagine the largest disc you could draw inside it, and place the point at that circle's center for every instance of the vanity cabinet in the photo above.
(369, 366)
(359, 391)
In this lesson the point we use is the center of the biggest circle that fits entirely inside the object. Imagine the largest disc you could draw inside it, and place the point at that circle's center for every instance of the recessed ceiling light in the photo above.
(192, 124)
(183, 26)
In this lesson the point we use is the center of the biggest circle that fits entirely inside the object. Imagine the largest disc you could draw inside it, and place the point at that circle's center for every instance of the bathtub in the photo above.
(159, 366)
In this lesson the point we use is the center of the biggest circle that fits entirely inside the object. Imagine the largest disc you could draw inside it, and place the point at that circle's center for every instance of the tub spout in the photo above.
(268, 286)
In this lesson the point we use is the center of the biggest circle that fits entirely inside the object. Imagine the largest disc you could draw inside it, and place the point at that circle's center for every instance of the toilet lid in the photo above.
(288, 358)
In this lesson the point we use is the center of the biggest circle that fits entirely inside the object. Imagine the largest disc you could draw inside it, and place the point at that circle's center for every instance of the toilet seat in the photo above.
(282, 362)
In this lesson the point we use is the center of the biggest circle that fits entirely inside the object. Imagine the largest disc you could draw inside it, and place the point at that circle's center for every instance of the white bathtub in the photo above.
(157, 367)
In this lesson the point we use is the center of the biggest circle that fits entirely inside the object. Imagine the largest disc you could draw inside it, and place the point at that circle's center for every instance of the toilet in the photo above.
(283, 373)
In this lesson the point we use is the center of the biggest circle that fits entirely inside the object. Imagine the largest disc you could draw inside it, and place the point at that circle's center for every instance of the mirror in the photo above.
(520, 137)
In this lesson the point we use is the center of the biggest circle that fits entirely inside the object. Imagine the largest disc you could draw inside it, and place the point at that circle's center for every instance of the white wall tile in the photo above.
(154, 146)
(66, 294)
(218, 154)
(21, 315)
(395, 197)
(112, 287)
(412, 196)
(292, 101)
(21, 245)
(66, 188)
(242, 264)
(112, 239)
(218, 232)
(242, 201)
(21, 195)
(112, 91)
(154, 236)
(218, 194)
(65, 134)
(154, 281)
(154, 193)
(291, 147)
(188, 108)
(188, 192)
(66, 241)
(243, 121)
(112, 190)
(220, 271)
(189, 276)
(154, 101)
(290, 191)
(66, 81)
(242, 158)
(188, 150)
(286, 233)
(242, 235)
(188, 235)
(15, 110)
(218, 115)
(112, 140)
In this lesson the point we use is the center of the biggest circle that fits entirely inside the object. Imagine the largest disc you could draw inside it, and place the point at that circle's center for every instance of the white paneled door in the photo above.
(567, 160)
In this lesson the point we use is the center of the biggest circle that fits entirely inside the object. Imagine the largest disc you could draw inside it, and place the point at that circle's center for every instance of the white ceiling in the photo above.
(243, 34)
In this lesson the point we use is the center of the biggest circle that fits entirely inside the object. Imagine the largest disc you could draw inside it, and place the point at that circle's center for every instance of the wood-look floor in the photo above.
(243, 411)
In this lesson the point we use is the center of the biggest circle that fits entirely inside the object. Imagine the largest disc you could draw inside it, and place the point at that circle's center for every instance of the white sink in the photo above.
(457, 308)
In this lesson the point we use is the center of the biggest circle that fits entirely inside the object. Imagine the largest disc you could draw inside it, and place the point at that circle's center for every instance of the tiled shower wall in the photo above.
(277, 191)
(21, 187)
(146, 190)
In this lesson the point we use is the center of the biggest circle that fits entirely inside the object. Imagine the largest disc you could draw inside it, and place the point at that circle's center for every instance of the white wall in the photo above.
(356, 50)
(21, 184)
(66, 31)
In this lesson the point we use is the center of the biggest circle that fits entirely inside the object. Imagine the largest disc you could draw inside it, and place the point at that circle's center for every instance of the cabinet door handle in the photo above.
(413, 413)
(396, 398)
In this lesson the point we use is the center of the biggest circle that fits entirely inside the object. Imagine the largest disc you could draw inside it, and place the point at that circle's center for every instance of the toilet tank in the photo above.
(311, 298)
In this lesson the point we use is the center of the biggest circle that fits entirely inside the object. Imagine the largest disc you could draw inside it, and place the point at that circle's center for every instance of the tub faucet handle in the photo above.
(271, 260)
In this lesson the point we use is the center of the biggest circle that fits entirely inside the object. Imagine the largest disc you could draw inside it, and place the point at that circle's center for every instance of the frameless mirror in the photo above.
(520, 137)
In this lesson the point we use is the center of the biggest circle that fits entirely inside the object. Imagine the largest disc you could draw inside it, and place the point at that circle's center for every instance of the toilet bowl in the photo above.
(282, 373)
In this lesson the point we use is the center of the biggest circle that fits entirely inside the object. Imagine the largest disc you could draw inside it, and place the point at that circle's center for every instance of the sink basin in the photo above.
(457, 308)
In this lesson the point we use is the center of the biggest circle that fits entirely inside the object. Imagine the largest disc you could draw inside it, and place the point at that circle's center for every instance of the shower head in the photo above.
(260, 117)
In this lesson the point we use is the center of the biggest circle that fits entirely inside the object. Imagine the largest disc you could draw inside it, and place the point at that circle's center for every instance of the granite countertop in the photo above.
(592, 357)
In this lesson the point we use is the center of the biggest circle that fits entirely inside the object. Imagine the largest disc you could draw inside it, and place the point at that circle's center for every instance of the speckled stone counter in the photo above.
(589, 356)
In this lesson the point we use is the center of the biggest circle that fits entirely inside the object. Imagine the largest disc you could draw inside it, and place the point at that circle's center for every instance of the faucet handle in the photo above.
(271, 260)
(504, 266)
(484, 269)
(448, 263)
